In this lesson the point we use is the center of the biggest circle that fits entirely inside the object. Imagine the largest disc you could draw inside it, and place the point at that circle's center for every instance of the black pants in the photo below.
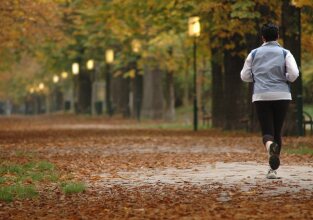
(271, 116)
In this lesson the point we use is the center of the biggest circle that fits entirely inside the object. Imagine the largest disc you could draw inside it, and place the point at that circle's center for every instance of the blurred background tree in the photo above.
(151, 74)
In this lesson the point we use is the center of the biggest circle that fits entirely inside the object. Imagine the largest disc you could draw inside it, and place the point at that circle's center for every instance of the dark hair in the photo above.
(269, 32)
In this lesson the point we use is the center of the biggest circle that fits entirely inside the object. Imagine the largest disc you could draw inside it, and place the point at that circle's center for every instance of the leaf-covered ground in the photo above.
(131, 172)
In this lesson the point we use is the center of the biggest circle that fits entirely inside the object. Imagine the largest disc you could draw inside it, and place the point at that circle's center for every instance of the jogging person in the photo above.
(270, 68)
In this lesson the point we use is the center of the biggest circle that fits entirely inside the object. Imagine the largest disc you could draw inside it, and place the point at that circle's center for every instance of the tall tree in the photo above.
(169, 91)
(234, 96)
(228, 95)
(291, 34)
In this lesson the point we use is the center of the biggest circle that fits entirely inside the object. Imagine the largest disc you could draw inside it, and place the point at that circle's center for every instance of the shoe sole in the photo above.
(274, 160)
(271, 177)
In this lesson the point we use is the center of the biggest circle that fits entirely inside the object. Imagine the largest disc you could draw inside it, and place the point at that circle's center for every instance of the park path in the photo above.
(137, 173)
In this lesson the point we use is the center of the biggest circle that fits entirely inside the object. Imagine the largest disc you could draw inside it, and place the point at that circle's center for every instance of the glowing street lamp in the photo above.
(109, 56)
(75, 71)
(64, 75)
(75, 68)
(41, 86)
(56, 79)
(194, 27)
(90, 64)
(194, 31)
(136, 46)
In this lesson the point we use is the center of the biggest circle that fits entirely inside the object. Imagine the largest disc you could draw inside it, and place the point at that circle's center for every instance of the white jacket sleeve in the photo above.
(245, 73)
(292, 71)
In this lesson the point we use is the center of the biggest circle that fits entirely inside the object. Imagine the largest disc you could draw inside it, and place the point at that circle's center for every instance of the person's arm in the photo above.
(245, 73)
(292, 71)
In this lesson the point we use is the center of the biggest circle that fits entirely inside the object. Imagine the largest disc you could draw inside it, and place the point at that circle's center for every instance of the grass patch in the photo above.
(52, 177)
(24, 192)
(23, 154)
(177, 126)
(300, 151)
(8, 193)
(45, 166)
(308, 109)
(37, 176)
(29, 165)
(169, 126)
(19, 180)
(14, 169)
(15, 178)
(37, 171)
(70, 188)
(2, 180)
(183, 120)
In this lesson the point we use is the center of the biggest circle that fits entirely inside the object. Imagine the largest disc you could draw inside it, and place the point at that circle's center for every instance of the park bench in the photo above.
(207, 118)
(307, 120)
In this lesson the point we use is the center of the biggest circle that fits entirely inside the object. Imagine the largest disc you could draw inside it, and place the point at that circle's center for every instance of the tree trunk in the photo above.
(153, 92)
(202, 95)
(218, 118)
(108, 90)
(169, 97)
(291, 37)
(252, 43)
(120, 95)
(235, 102)
(186, 83)
(138, 94)
(84, 92)
(135, 91)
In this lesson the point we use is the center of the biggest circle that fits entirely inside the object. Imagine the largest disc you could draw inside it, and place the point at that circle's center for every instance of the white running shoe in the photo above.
(271, 174)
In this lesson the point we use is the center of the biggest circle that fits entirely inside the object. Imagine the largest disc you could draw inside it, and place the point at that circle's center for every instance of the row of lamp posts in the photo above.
(193, 31)
(90, 64)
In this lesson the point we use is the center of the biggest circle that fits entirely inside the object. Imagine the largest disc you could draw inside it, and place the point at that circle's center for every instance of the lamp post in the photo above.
(90, 65)
(55, 79)
(54, 97)
(75, 68)
(41, 88)
(32, 90)
(30, 101)
(194, 31)
(67, 93)
(75, 71)
(136, 47)
(109, 58)
(64, 75)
